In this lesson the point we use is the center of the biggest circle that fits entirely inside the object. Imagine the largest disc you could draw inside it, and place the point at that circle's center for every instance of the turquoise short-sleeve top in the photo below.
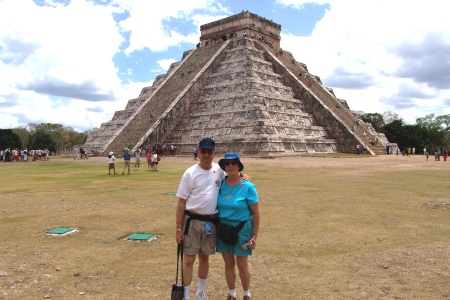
(234, 201)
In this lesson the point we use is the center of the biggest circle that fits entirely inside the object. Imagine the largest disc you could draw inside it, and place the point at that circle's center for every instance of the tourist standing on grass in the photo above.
(155, 161)
(6, 155)
(111, 163)
(126, 161)
(237, 204)
(196, 215)
(138, 159)
(195, 153)
(16, 155)
(149, 159)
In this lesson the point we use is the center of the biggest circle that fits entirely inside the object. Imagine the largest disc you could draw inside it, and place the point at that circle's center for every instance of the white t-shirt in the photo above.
(111, 159)
(200, 188)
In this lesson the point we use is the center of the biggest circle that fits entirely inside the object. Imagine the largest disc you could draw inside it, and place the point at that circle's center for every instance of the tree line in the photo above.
(55, 137)
(430, 132)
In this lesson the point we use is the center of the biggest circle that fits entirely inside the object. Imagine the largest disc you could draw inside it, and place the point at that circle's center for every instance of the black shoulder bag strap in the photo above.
(180, 254)
(240, 226)
(221, 184)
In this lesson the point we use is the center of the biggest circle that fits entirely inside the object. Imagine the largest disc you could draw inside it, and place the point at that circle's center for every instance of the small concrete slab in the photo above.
(60, 231)
(141, 237)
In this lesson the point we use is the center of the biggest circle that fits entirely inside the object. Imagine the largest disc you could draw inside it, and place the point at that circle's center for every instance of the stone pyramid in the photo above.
(240, 88)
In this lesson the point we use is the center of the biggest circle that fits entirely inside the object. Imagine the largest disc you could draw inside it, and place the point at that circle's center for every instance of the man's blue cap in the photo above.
(231, 156)
(207, 143)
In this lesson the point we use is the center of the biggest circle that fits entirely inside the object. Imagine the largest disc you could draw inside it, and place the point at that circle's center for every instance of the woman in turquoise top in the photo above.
(237, 203)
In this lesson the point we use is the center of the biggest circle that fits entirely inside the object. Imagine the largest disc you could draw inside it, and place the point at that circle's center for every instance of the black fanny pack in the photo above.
(229, 234)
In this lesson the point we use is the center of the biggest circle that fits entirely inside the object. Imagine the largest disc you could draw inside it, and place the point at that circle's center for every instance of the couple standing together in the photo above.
(207, 198)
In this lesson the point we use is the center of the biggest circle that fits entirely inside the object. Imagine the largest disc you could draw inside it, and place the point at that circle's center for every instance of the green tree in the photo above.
(394, 132)
(447, 140)
(42, 140)
(376, 119)
(9, 139)
(55, 137)
(428, 132)
(445, 121)
(77, 138)
(63, 138)
(430, 122)
(23, 134)
(435, 131)
(389, 117)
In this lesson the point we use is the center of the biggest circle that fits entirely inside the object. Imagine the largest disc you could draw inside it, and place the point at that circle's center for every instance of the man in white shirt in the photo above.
(196, 215)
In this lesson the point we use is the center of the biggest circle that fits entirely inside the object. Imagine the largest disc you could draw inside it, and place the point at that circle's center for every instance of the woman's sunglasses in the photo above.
(233, 163)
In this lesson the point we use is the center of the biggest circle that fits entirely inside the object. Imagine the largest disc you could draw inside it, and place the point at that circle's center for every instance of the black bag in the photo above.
(178, 289)
(229, 234)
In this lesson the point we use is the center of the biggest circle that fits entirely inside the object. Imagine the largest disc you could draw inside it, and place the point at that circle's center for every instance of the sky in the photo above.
(76, 62)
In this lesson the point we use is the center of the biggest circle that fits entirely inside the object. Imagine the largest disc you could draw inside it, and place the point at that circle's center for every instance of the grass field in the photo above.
(341, 227)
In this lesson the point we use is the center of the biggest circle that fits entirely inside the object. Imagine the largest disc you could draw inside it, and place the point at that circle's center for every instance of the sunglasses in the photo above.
(233, 163)
(206, 151)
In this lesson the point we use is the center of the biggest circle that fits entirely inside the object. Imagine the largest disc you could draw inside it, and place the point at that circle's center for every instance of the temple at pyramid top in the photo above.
(239, 87)
(240, 25)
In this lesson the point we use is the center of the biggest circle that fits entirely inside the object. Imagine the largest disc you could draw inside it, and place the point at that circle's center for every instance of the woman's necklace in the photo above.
(232, 184)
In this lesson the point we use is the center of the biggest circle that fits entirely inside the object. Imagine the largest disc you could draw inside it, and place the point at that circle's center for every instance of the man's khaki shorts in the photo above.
(196, 241)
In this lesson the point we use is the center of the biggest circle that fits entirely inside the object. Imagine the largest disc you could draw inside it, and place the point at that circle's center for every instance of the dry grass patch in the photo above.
(332, 228)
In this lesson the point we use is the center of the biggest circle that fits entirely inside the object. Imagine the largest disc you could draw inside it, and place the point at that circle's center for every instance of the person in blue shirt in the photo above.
(126, 160)
(237, 204)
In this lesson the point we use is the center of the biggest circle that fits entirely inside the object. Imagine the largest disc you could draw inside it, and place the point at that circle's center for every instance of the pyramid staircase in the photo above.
(246, 107)
(97, 141)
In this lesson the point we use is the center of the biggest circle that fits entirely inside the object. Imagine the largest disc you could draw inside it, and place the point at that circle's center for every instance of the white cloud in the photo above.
(73, 44)
(53, 55)
(146, 23)
(165, 63)
(363, 50)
